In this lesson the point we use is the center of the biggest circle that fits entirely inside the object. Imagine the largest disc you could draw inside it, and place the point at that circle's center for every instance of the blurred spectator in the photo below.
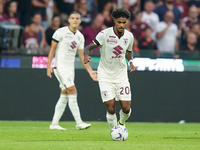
(196, 29)
(156, 3)
(125, 4)
(39, 6)
(191, 19)
(65, 7)
(168, 5)
(108, 22)
(37, 18)
(182, 6)
(167, 34)
(137, 27)
(191, 42)
(149, 17)
(10, 12)
(23, 11)
(66, 22)
(30, 38)
(1, 10)
(86, 18)
(89, 5)
(101, 4)
(50, 11)
(134, 5)
(56, 22)
(147, 43)
(91, 31)
(196, 3)
(128, 25)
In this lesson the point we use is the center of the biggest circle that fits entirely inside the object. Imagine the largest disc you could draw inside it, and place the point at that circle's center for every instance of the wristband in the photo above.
(130, 61)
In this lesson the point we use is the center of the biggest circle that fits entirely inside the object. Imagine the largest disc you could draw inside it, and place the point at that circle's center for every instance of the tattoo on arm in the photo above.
(89, 48)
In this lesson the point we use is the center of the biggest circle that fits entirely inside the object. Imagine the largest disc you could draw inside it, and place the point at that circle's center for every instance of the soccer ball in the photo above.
(119, 133)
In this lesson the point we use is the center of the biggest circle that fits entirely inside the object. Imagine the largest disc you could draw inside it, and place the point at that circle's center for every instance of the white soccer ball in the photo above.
(119, 133)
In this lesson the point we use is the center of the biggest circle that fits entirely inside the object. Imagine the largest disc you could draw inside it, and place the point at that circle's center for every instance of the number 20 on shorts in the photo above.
(124, 90)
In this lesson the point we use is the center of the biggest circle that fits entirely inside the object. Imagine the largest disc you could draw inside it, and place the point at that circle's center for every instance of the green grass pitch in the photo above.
(35, 135)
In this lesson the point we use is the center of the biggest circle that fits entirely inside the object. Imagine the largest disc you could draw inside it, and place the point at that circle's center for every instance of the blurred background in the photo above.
(165, 85)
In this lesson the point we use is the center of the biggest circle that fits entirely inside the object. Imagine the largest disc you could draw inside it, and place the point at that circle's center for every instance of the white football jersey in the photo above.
(113, 66)
(68, 44)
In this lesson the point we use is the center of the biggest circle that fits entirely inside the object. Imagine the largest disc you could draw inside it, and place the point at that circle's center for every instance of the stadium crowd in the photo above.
(165, 26)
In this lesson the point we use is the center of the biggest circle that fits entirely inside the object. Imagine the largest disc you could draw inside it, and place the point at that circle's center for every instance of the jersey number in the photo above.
(125, 90)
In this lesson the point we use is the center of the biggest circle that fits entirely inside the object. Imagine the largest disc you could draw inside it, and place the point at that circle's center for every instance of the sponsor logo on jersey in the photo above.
(117, 52)
(125, 41)
(112, 36)
(112, 41)
(73, 45)
(68, 37)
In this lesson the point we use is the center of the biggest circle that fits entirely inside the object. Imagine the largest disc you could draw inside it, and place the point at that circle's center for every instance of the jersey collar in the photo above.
(71, 30)
(119, 36)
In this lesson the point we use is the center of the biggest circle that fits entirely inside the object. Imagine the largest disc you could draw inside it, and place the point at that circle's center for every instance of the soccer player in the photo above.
(115, 45)
(66, 41)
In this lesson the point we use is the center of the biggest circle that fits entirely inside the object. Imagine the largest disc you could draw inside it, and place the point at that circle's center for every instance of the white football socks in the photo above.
(111, 119)
(73, 105)
(123, 116)
(60, 108)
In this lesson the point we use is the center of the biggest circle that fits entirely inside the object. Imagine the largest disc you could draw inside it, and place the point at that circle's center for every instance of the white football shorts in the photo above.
(119, 91)
(66, 79)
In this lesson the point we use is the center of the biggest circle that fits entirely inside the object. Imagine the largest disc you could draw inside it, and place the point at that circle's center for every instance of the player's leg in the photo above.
(124, 95)
(108, 95)
(125, 112)
(60, 106)
(73, 105)
(111, 115)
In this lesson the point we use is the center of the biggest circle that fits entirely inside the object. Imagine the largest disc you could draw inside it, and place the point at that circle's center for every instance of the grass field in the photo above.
(33, 135)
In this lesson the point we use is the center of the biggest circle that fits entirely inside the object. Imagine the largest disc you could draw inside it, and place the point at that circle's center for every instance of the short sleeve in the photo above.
(99, 38)
(159, 28)
(130, 47)
(82, 42)
(57, 36)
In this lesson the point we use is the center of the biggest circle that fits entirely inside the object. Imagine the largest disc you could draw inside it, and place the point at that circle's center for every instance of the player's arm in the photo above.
(129, 57)
(93, 74)
(54, 45)
(87, 51)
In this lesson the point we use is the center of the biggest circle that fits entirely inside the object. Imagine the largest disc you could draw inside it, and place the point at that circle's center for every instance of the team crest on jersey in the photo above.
(104, 93)
(125, 41)
(112, 41)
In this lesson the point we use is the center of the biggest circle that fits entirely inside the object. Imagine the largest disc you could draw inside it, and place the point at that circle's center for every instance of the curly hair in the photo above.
(121, 12)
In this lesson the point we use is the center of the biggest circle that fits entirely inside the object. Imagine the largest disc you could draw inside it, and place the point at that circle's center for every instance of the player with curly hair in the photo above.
(115, 47)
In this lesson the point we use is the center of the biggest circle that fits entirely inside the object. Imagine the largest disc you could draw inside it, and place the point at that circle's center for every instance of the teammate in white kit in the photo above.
(66, 41)
(115, 45)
